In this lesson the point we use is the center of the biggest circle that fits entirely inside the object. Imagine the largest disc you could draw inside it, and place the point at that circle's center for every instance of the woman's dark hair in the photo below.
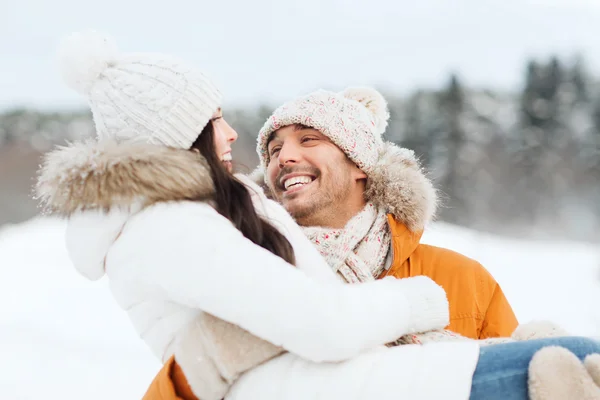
(234, 203)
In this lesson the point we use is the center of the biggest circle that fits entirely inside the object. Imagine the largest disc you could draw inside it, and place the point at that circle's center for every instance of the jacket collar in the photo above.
(101, 175)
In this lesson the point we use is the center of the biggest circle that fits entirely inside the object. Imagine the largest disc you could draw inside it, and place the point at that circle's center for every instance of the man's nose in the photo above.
(288, 155)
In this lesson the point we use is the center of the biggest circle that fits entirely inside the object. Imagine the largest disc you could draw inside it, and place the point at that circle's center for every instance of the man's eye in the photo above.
(306, 139)
(275, 150)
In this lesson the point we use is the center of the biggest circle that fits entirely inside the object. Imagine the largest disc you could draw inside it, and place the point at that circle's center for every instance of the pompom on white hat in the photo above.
(146, 97)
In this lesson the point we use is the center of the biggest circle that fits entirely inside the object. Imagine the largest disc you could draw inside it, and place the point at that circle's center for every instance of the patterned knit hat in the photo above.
(152, 98)
(354, 120)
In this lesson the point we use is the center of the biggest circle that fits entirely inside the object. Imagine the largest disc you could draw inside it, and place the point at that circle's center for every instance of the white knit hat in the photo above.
(353, 119)
(147, 97)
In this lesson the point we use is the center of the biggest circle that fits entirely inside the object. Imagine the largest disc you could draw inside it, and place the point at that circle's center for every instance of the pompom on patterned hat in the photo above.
(152, 98)
(353, 119)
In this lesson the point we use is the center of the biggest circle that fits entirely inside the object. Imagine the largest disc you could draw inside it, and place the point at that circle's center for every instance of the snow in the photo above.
(62, 336)
(556, 281)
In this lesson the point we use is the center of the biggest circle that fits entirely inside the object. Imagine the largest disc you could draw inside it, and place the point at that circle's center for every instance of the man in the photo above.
(364, 203)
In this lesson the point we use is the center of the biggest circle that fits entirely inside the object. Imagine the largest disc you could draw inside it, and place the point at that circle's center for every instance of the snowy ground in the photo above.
(62, 336)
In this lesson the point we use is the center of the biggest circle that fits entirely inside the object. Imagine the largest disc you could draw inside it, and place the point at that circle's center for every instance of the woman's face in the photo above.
(224, 136)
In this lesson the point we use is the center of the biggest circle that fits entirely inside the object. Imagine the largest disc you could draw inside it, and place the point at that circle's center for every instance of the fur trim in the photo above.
(102, 175)
(557, 374)
(398, 184)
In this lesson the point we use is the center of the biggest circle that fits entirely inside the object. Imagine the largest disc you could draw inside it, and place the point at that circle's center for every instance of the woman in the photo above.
(212, 272)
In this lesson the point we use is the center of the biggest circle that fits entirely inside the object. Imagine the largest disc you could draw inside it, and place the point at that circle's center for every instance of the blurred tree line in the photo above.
(513, 163)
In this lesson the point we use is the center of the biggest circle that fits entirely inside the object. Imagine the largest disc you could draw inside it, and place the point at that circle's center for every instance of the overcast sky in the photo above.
(271, 50)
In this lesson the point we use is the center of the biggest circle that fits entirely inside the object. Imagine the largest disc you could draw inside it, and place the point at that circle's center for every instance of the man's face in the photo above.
(311, 176)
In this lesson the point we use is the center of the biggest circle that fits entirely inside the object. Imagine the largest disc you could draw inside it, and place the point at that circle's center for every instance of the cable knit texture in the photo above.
(153, 98)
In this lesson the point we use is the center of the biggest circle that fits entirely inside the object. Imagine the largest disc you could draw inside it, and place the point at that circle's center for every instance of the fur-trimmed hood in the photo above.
(100, 185)
(397, 184)
(103, 175)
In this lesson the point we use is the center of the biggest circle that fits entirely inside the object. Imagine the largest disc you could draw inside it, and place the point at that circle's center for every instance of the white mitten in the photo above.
(592, 364)
(557, 374)
(538, 330)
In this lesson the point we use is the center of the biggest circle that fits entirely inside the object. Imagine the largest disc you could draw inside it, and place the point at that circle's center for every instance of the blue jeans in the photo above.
(501, 373)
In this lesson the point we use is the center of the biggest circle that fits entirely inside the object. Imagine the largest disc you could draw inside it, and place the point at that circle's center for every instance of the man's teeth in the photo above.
(227, 157)
(303, 180)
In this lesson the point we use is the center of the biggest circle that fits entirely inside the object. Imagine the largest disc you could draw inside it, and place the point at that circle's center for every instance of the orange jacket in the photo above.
(169, 384)
(478, 308)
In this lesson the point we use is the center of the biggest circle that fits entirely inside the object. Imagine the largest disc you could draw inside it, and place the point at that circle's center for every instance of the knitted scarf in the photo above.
(358, 251)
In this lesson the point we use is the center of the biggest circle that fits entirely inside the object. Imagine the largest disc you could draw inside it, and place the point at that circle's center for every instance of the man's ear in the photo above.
(359, 174)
